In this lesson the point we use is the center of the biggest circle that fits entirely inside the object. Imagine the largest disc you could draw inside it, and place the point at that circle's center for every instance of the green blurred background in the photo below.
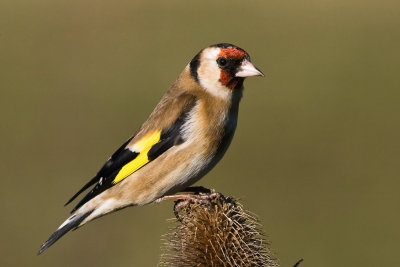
(316, 153)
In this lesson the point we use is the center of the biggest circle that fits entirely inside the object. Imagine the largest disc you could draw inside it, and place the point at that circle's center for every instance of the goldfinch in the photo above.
(184, 137)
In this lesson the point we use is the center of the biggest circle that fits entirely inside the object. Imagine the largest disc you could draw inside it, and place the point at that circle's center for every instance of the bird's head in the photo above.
(222, 68)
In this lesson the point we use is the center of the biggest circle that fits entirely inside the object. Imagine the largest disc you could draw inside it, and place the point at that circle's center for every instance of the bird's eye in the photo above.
(221, 61)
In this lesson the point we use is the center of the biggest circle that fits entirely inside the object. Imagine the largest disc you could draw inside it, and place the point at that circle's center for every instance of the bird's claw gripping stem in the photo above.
(199, 195)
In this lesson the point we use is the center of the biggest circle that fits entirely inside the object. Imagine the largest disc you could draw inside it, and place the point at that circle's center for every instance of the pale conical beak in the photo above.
(247, 69)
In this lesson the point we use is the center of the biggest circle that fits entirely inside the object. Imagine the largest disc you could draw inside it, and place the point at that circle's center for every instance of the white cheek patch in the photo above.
(209, 74)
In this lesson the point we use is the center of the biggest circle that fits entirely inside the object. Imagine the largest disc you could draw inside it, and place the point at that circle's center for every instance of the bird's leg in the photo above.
(196, 198)
(201, 196)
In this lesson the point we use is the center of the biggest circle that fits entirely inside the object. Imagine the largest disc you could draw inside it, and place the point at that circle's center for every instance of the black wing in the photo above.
(107, 174)
(118, 159)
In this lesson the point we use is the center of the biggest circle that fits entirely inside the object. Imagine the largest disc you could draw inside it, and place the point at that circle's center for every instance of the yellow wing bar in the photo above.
(144, 144)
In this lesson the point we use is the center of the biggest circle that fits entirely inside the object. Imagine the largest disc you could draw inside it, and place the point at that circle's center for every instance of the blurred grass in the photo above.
(316, 154)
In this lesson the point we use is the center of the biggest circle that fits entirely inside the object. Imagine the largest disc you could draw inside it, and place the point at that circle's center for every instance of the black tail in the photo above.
(71, 223)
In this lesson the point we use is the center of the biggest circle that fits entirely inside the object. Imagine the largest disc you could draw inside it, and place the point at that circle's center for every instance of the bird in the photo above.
(184, 137)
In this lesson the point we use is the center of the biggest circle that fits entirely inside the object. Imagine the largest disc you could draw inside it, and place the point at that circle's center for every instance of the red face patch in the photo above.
(235, 53)
(225, 79)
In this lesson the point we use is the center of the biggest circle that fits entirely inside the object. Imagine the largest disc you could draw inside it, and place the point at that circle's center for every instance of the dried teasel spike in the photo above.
(217, 232)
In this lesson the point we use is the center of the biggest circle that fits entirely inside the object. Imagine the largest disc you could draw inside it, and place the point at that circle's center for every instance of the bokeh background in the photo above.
(316, 153)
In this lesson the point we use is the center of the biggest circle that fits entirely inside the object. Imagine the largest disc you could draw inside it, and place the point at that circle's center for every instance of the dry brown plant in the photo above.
(217, 232)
